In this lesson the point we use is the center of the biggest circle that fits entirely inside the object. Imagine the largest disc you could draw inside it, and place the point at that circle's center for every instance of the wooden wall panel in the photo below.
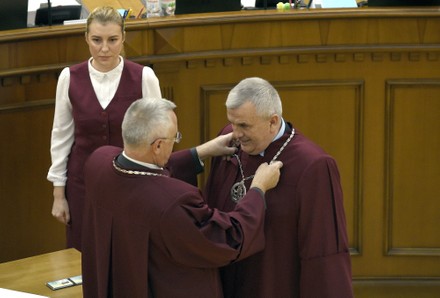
(413, 167)
(396, 288)
(26, 197)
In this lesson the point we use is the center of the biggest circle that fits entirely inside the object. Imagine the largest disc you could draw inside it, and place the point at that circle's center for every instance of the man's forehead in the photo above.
(242, 118)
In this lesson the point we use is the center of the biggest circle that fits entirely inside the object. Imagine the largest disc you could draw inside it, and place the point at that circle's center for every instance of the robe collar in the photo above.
(123, 162)
(269, 152)
(279, 135)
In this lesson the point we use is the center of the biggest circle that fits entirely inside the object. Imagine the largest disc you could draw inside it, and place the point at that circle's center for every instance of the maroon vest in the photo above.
(94, 127)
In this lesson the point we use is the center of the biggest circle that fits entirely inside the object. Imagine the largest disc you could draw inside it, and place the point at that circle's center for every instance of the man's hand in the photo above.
(267, 176)
(220, 146)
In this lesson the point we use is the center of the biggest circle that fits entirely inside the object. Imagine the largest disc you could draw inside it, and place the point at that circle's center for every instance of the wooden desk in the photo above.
(31, 274)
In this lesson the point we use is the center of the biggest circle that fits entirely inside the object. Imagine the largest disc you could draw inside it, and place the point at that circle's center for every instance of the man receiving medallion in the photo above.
(306, 253)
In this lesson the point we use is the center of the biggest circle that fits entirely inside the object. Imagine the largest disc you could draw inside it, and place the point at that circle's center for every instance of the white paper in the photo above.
(33, 5)
(248, 3)
(334, 3)
(5, 293)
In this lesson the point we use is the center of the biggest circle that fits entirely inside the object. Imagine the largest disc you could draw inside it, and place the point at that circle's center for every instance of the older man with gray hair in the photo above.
(147, 233)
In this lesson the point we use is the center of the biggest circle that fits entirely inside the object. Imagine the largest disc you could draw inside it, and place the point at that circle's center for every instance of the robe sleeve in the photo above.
(183, 165)
(198, 236)
(323, 242)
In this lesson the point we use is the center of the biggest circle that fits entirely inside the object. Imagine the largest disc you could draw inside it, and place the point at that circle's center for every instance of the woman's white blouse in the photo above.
(105, 85)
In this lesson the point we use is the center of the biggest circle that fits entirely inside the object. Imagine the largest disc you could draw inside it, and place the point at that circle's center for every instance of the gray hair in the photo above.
(259, 92)
(145, 120)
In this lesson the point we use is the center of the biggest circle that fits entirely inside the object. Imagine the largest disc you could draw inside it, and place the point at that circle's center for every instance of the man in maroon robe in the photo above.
(148, 234)
(306, 253)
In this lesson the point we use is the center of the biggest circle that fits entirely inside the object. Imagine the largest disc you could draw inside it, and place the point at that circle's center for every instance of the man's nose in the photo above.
(236, 132)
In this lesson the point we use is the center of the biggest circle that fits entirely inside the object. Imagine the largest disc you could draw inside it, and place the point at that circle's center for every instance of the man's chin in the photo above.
(247, 149)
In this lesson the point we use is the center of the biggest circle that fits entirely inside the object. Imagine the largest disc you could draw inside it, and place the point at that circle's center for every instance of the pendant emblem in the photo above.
(238, 191)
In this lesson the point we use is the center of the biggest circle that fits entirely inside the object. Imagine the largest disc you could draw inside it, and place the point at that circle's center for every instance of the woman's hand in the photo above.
(60, 207)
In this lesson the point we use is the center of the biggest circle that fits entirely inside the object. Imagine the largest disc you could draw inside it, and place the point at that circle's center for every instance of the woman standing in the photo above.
(91, 99)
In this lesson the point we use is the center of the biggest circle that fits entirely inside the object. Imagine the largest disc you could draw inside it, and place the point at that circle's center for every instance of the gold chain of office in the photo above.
(140, 173)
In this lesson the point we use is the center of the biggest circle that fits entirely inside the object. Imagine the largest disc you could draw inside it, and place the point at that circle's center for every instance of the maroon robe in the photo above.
(306, 252)
(94, 127)
(149, 236)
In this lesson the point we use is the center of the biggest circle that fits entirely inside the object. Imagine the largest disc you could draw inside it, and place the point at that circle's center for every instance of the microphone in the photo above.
(49, 13)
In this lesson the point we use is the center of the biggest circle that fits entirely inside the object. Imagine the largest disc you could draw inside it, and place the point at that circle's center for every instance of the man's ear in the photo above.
(156, 146)
(274, 120)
